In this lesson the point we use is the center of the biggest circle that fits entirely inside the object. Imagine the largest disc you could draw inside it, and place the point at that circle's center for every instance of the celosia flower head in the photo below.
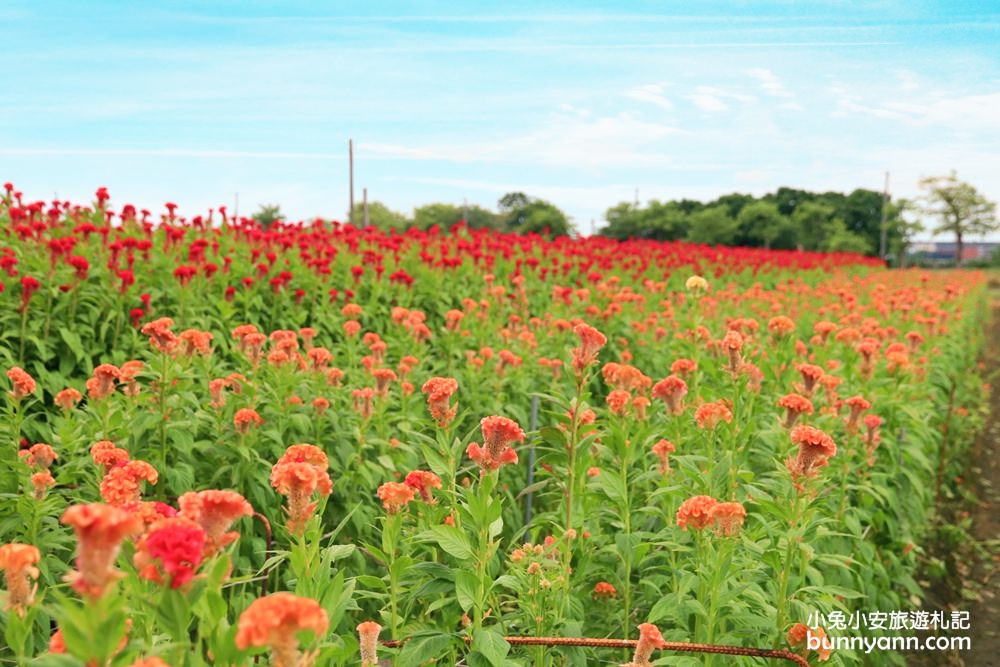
(215, 511)
(368, 643)
(395, 496)
(650, 639)
(439, 391)
(498, 435)
(591, 342)
(17, 562)
(423, 481)
(696, 512)
(171, 551)
(274, 622)
(100, 530)
(22, 384)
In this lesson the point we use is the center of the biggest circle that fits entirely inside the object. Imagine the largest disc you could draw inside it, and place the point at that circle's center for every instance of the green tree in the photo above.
(760, 223)
(658, 221)
(959, 209)
(713, 226)
(446, 216)
(526, 215)
(267, 215)
(815, 223)
(380, 216)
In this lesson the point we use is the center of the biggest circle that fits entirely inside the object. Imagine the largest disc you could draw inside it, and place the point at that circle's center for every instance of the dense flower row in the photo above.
(714, 457)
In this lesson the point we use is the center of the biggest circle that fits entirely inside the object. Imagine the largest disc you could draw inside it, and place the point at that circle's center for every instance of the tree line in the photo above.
(862, 221)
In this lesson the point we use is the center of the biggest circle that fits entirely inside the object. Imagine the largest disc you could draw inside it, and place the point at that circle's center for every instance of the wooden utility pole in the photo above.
(364, 195)
(350, 169)
(884, 229)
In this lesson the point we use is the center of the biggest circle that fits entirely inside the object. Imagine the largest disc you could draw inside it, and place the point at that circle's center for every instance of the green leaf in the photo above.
(453, 541)
(492, 646)
(421, 649)
(465, 589)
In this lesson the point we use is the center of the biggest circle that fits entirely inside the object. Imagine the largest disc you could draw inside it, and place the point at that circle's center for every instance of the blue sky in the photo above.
(576, 102)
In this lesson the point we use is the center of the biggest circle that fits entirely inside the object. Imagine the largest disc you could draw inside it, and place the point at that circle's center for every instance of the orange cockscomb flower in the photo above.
(363, 401)
(671, 390)
(604, 591)
(67, 399)
(798, 638)
(126, 376)
(42, 482)
(591, 342)
(619, 401)
(123, 484)
(727, 518)
(781, 326)
(100, 530)
(18, 561)
(423, 481)
(695, 512)
(650, 639)
(368, 643)
(663, 449)
(815, 448)
(39, 455)
(857, 405)
(275, 622)
(395, 496)
(22, 384)
(439, 391)
(732, 345)
(106, 454)
(102, 384)
(215, 511)
(682, 367)
(245, 419)
(710, 415)
(795, 406)
(160, 335)
(498, 435)
(193, 341)
(383, 378)
(811, 375)
(298, 474)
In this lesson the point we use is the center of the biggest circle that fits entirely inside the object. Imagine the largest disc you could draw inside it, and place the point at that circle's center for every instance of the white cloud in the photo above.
(564, 140)
(653, 94)
(710, 98)
(769, 82)
(961, 112)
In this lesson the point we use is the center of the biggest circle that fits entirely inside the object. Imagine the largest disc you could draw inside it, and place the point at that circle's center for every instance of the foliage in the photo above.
(704, 511)
(959, 209)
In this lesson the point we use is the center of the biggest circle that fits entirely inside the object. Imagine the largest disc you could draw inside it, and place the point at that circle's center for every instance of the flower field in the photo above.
(316, 444)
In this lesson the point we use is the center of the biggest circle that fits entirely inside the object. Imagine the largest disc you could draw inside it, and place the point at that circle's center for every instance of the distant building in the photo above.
(937, 251)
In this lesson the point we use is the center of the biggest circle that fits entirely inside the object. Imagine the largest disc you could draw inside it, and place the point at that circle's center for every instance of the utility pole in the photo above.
(591, 226)
(350, 169)
(883, 239)
(364, 194)
(637, 197)
(236, 208)
(465, 210)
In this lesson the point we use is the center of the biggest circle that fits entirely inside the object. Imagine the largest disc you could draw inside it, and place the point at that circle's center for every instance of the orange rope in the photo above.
(778, 654)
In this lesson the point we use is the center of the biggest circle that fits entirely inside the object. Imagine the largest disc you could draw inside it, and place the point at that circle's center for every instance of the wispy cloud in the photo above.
(769, 82)
(713, 99)
(166, 153)
(565, 140)
(653, 94)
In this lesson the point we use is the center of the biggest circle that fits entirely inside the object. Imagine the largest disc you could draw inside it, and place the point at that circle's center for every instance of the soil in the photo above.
(974, 584)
